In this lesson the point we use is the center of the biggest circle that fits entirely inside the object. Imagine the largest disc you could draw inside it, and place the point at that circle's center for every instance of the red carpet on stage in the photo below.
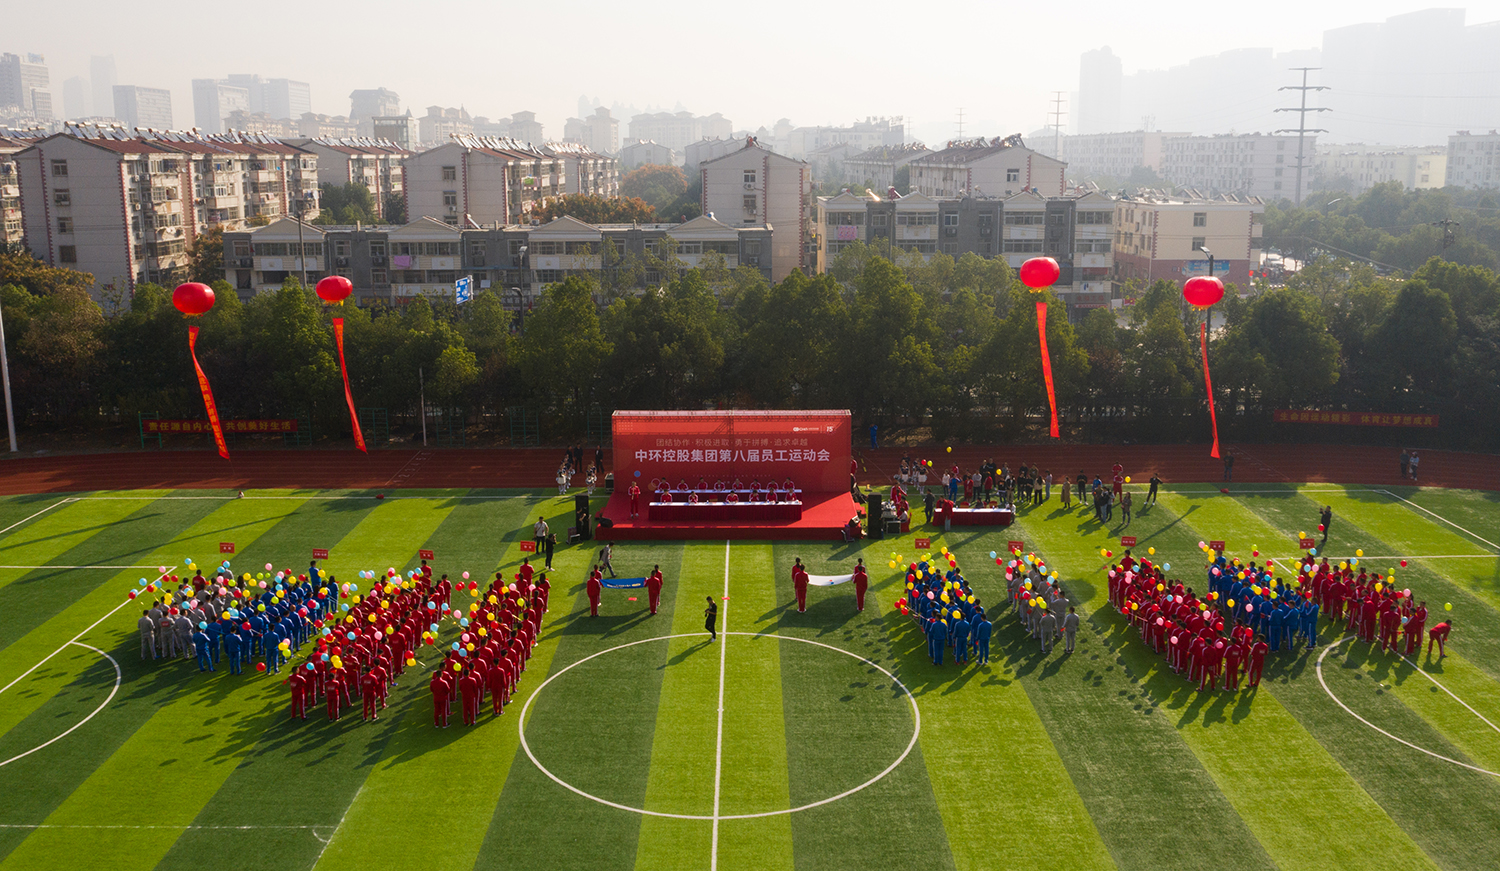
(823, 516)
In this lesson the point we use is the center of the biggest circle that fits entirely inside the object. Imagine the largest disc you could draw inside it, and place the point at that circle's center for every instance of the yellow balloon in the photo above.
(1359, 552)
(891, 564)
(1151, 551)
(1054, 576)
(1231, 603)
(1127, 479)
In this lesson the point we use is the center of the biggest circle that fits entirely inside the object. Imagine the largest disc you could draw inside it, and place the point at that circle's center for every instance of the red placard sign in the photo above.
(425, 554)
(1014, 545)
(226, 547)
(1306, 543)
(1216, 545)
(924, 544)
(528, 546)
(1127, 541)
(320, 553)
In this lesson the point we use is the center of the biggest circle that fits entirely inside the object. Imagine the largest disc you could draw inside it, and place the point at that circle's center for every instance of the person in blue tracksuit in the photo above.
(1310, 624)
(215, 632)
(960, 640)
(234, 647)
(1277, 618)
(937, 639)
(982, 630)
(200, 646)
(271, 644)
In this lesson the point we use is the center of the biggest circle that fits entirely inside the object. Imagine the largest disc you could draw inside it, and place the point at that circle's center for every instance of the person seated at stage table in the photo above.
(737, 485)
(791, 490)
(682, 486)
(732, 497)
(693, 498)
(721, 486)
(755, 490)
(772, 494)
(702, 483)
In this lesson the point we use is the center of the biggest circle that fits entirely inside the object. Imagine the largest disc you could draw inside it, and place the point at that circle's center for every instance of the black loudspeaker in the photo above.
(874, 528)
(582, 515)
(609, 483)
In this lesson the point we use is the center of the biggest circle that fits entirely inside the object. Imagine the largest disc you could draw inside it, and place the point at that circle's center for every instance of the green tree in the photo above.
(563, 351)
(347, 204)
(667, 345)
(1418, 344)
(1279, 355)
(56, 347)
(1015, 364)
(791, 332)
(594, 209)
(206, 256)
(656, 184)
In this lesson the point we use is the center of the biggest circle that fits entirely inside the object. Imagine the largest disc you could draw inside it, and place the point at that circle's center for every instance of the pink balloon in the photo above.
(466, 576)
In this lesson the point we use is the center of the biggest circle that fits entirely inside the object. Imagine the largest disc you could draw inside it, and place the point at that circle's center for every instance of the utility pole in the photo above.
(960, 122)
(10, 415)
(1450, 235)
(1057, 113)
(1302, 129)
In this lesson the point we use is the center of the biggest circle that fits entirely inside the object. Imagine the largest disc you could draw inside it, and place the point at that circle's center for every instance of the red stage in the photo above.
(809, 449)
(823, 517)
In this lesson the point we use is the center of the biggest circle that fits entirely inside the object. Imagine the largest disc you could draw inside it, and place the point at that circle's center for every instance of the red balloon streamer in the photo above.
(1208, 382)
(1041, 330)
(338, 337)
(208, 396)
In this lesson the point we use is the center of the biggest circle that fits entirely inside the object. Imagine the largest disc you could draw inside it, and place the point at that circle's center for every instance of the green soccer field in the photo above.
(818, 740)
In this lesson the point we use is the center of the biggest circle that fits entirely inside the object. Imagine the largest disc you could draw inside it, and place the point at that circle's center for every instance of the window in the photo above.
(1105, 218)
(1278, 172)
(62, 198)
(241, 248)
(67, 254)
(59, 168)
(450, 173)
(750, 203)
(1022, 246)
(377, 248)
(549, 276)
(377, 276)
(950, 219)
(538, 248)
(752, 248)
(1200, 219)
(450, 199)
(846, 219)
(1091, 246)
(1199, 242)
(950, 247)
(877, 219)
(1276, 186)
(1013, 175)
(921, 247)
(64, 225)
(749, 176)
(476, 253)
(1281, 158)
(916, 219)
(1281, 146)
(1023, 218)
(341, 248)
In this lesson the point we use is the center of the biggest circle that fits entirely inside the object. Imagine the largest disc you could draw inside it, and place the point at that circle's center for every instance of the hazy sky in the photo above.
(810, 62)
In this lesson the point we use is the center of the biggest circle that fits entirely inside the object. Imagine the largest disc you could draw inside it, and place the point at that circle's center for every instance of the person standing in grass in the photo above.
(539, 531)
(1155, 483)
(711, 615)
(1125, 509)
(1070, 629)
(982, 631)
(1066, 495)
(1325, 521)
(1415, 460)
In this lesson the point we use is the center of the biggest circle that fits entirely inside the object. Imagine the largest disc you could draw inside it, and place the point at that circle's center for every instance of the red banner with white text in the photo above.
(809, 447)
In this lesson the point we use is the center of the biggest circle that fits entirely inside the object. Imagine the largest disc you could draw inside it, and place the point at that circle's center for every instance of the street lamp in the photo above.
(10, 415)
(523, 261)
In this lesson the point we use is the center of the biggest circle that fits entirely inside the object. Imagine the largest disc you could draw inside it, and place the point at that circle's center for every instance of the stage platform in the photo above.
(823, 518)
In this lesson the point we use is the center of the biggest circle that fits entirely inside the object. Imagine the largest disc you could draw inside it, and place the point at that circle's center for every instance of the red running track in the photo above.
(534, 468)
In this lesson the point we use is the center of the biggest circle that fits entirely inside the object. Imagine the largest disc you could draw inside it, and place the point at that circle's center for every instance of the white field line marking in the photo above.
(386, 497)
(39, 513)
(1442, 518)
(1329, 649)
(911, 745)
(337, 826)
(107, 699)
(175, 828)
(713, 859)
(1237, 491)
(72, 640)
(79, 567)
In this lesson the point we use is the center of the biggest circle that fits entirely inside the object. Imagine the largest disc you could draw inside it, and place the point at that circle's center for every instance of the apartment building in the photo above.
(316, 126)
(877, 167)
(213, 101)
(401, 130)
(374, 163)
(1164, 237)
(586, 171)
(1253, 164)
(1361, 167)
(426, 256)
(698, 153)
(1115, 155)
(143, 108)
(755, 186)
(25, 84)
(599, 132)
(478, 180)
(1473, 162)
(803, 142)
(1075, 230)
(640, 153)
(261, 123)
(998, 167)
(441, 124)
(677, 130)
(279, 98)
(10, 190)
(367, 104)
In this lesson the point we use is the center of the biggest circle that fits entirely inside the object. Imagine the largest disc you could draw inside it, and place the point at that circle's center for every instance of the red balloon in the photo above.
(334, 288)
(1040, 272)
(1204, 290)
(193, 298)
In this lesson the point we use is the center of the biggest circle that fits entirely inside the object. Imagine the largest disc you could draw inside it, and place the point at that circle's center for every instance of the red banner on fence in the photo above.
(338, 338)
(226, 547)
(1354, 418)
(320, 553)
(166, 427)
(209, 405)
(809, 447)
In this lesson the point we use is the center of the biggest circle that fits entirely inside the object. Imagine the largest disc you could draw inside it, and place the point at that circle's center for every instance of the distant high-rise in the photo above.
(136, 106)
(213, 101)
(1100, 77)
(102, 80)
(373, 101)
(278, 98)
(76, 98)
(24, 84)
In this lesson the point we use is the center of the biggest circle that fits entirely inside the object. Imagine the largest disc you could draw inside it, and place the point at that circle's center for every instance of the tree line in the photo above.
(945, 347)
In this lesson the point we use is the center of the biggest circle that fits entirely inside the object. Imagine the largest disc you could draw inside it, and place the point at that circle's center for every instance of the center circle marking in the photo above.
(916, 732)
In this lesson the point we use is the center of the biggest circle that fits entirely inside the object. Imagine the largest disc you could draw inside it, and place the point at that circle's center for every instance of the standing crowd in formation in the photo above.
(947, 611)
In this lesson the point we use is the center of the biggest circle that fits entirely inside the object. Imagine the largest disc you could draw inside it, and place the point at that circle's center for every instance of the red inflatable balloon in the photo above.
(193, 298)
(1040, 272)
(334, 288)
(1203, 291)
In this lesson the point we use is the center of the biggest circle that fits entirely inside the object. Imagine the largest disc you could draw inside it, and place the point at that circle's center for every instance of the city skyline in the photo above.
(548, 80)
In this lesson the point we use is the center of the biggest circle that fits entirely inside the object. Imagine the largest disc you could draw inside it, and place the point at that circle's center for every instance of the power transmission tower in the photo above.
(1302, 129)
(1450, 232)
(1057, 114)
(960, 122)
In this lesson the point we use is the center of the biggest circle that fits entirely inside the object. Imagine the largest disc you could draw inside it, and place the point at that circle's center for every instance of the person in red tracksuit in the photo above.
(469, 688)
(594, 590)
(653, 588)
(338, 693)
(1367, 618)
(1213, 660)
(498, 678)
(1390, 627)
(1257, 662)
(1439, 633)
(370, 687)
(799, 585)
(1232, 659)
(441, 694)
(300, 682)
(861, 584)
(1414, 629)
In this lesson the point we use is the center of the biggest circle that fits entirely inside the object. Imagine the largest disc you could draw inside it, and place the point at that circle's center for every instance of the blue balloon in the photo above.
(461, 651)
(993, 554)
(325, 657)
(350, 635)
(432, 606)
(457, 646)
(311, 667)
(187, 561)
(637, 473)
(1166, 567)
(463, 621)
(202, 625)
(1312, 551)
(143, 582)
(433, 627)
